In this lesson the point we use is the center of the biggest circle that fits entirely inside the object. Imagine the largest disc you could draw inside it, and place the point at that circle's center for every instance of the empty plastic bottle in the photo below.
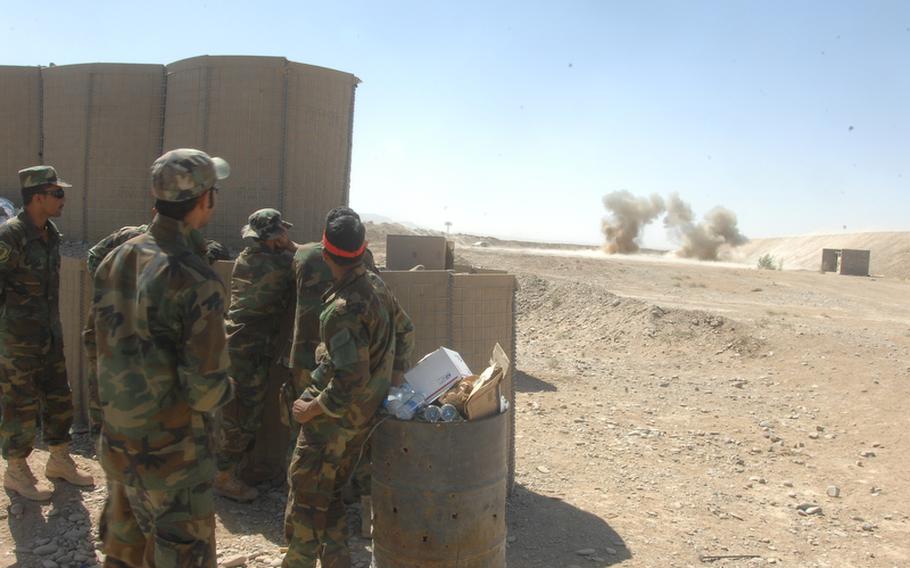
(431, 413)
(403, 402)
(449, 413)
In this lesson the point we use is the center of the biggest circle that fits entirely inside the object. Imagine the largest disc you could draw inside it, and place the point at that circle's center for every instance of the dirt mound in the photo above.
(566, 310)
(890, 251)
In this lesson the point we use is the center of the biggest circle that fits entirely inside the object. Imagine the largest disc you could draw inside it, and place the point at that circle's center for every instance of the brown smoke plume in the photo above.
(702, 240)
(628, 215)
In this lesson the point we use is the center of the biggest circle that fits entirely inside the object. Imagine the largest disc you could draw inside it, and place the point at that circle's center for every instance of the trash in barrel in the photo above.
(439, 487)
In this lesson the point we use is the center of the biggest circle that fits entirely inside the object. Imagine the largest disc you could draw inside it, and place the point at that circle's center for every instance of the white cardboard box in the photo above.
(437, 372)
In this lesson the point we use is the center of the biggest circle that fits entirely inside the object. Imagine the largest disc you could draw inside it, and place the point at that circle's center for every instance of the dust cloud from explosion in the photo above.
(628, 215)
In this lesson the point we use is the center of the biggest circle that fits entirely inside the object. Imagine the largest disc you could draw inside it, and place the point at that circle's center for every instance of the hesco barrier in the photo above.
(102, 130)
(285, 127)
(75, 301)
(466, 312)
(20, 115)
(439, 494)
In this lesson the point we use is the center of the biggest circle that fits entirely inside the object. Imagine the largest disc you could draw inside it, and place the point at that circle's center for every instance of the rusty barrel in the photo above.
(439, 494)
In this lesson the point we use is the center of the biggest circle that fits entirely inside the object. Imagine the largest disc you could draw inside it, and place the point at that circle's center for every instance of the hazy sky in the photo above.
(514, 118)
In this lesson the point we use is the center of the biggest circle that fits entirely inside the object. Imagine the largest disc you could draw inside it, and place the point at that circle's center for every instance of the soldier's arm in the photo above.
(104, 247)
(404, 343)
(309, 285)
(203, 367)
(98, 252)
(9, 257)
(349, 350)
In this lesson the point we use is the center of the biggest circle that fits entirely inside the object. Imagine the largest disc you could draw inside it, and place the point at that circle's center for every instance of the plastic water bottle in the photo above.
(431, 413)
(409, 407)
(403, 402)
(449, 413)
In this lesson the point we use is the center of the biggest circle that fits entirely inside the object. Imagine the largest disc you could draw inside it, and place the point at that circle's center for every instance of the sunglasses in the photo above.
(58, 193)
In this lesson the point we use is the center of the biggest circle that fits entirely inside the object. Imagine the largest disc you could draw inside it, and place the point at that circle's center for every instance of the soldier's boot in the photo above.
(19, 478)
(227, 485)
(366, 516)
(61, 466)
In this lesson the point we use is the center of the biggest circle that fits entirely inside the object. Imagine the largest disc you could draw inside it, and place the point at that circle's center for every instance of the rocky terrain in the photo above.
(668, 414)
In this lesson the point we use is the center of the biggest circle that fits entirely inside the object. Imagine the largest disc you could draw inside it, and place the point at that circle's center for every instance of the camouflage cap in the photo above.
(265, 224)
(186, 173)
(40, 176)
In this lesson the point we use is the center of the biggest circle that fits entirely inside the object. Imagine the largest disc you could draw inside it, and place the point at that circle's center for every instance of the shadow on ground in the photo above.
(264, 516)
(547, 532)
(529, 383)
(54, 530)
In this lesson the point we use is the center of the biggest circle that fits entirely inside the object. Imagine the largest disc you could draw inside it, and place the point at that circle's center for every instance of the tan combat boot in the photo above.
(19, 478)
(61, 466)
(227, 485)
(366, 516)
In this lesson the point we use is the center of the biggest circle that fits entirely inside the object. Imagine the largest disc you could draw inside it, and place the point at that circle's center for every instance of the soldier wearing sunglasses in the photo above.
(33, 380)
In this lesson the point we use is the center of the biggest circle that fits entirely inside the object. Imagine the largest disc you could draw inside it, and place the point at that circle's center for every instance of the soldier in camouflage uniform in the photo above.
(32, 370)
(261, 290)
(364, 352)
(307, 361)
(212, 250)
(162, 371)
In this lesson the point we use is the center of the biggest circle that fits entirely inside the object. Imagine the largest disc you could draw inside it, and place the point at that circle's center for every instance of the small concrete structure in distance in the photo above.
(404, 252)
(852, 262)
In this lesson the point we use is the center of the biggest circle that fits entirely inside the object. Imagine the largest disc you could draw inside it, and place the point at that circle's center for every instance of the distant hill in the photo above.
(890, 252)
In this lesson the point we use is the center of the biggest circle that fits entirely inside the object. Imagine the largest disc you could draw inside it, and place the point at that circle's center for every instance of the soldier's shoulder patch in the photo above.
(5, 251)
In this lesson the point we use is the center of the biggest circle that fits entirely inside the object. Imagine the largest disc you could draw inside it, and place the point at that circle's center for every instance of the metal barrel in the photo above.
(439, 494)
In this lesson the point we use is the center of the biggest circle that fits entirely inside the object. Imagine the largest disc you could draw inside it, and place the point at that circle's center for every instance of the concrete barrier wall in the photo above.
(286, 129)
(66, 97)
(288, 140)
(20, 117)
(102, 130)
(426, 297)
(829, 260)
(404, 252)
(318, 134)
(75, 300)
(854, 262)
(125, 135)
(231, 107)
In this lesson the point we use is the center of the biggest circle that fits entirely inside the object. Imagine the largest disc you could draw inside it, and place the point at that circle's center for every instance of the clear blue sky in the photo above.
(514, 118)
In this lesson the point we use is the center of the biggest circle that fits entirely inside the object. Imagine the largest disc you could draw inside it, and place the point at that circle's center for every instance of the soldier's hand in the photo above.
(306, 410)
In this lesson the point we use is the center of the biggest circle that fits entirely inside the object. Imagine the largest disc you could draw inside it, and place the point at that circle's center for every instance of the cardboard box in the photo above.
(437, 372)
(486, 392)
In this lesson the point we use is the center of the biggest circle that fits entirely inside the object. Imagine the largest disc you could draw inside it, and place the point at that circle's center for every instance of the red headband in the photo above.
(339, 252)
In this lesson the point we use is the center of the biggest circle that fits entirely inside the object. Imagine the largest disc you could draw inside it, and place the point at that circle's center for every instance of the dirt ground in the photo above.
(668, 414)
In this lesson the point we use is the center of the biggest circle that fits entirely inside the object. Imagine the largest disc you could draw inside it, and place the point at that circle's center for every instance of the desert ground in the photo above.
(667, 414)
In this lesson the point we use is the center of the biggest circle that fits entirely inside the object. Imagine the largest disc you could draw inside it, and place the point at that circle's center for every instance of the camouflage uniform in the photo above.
(32, 369)
(162, 370)
(261, 289)
(313, 279)
(95, 255)
(367, 343)
(212, 250)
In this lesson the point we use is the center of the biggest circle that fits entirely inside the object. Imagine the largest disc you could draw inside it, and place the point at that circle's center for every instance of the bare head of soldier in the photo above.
(343, 241)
